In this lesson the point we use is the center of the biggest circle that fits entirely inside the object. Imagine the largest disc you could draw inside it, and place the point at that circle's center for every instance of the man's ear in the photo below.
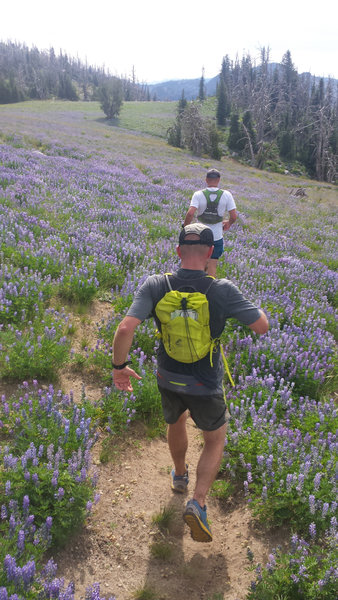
(178, 251)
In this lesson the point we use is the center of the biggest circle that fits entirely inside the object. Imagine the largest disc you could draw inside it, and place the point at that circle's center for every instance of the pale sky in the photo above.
(176, 39)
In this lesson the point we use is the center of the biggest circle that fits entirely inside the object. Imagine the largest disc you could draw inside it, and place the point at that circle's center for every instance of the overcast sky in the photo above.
(177, 38)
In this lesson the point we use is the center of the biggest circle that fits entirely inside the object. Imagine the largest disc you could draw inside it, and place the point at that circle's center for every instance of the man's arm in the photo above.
(232, 218)
(190, 215)
(122, 342)
(260, 326)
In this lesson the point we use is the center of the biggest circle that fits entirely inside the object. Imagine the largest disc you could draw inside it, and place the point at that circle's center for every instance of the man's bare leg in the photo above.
(209, 462)
(178, 443)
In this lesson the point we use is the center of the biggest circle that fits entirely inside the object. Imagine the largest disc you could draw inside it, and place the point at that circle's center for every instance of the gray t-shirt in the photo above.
(225, 302)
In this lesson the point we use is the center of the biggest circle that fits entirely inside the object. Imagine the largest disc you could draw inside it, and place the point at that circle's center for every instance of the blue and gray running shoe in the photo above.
(196, 518)
(179, 483)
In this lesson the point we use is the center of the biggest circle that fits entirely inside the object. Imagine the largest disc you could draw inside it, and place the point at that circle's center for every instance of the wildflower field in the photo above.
(87, 211)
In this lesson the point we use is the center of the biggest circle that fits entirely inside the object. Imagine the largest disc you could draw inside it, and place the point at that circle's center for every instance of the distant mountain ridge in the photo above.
(172, 90)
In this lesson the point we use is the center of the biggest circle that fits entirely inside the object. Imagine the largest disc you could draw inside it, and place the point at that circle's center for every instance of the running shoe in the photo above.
(196, 518)
(179, 483)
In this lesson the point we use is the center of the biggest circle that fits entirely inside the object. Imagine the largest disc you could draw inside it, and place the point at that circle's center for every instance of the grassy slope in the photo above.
(82, 124)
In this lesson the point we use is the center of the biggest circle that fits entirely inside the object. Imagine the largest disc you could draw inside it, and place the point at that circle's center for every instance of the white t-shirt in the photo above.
(226, 203)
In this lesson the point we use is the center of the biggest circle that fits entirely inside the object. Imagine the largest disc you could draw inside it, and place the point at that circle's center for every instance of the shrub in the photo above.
(306, 572)
(51, 480)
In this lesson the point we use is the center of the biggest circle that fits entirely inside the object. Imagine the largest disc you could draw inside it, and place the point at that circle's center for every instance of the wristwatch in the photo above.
(120, 367)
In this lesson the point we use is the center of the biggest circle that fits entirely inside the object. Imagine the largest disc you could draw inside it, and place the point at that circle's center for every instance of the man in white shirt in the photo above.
(209, 206)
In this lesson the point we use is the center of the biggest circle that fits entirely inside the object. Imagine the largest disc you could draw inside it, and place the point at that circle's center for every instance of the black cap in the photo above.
(206, 237)
(213, 174)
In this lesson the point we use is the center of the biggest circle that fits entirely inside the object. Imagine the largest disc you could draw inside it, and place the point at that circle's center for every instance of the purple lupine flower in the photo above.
(271, 565)
(61, 493)
(312, 504)
(289, 481)
(302, 571)
(333, 526)
(3, 512)
(260, 460)
(312, 530)
(12, 525)
(93, 593)
(28, 573)
(50, 568)
(316, 481)
(25, 504)
(21, 540)
(301, 480)
(29, 521)
(50, 452)
(10, 567)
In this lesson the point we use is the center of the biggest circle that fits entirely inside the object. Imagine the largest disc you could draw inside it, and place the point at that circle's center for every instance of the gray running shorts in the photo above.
(208, 412)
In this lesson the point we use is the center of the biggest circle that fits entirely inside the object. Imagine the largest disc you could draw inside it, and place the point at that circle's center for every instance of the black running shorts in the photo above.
(207, 412)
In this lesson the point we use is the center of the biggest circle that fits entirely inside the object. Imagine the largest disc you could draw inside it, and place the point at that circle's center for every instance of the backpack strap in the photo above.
(218, 195)
(166, 275)
(186, 283)
(213, 344)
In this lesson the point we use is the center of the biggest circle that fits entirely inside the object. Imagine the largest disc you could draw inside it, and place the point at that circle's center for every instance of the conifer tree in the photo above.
(201, 93)
(223, 108)
(182, 104)
(174, 133)
(215, 151)
(111, 96)
(236, 138)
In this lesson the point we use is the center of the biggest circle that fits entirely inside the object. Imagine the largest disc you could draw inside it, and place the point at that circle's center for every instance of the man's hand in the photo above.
(228, 222)
(121, 379)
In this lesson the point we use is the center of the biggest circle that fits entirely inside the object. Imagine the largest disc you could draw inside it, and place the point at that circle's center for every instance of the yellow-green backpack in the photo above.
(184, 318)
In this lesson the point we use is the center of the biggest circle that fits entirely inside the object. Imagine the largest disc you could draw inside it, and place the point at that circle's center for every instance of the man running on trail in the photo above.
(210, 206)
(186, 386)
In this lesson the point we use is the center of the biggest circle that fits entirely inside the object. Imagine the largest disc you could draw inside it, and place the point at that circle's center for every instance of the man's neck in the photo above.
(190, 265)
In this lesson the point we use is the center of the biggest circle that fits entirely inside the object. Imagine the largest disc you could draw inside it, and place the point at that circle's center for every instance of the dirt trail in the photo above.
(114, 547)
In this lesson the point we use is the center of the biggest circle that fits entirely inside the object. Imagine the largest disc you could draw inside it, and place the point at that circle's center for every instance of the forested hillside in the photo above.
(266, 115)
(33, 74)
(276, 111)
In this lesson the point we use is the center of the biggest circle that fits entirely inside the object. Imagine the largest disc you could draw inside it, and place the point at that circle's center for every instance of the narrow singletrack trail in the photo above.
(114, 547)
